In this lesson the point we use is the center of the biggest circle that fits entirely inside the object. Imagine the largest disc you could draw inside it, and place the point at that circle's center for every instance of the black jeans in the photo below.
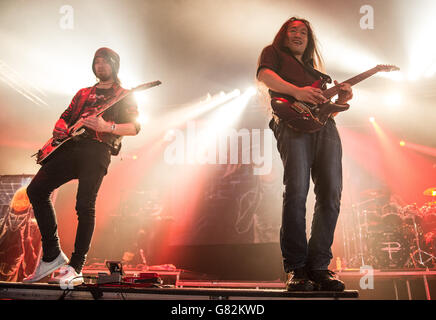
(86, 160)
(303, 154)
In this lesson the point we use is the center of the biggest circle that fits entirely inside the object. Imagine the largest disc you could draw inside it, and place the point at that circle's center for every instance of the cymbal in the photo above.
(430, 192)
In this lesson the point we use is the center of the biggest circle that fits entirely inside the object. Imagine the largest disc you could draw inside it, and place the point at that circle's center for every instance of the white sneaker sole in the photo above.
(45, 274)
(76, 281)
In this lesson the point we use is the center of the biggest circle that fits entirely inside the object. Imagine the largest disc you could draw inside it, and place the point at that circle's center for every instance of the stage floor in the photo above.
(388, 285)
(42, 291)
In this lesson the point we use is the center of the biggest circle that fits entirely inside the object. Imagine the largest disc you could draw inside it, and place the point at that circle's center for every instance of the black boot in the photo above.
(298, 280)
(325, 280)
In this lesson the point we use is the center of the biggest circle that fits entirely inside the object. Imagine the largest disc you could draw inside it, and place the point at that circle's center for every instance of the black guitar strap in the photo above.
(318, 74)
(309, 68)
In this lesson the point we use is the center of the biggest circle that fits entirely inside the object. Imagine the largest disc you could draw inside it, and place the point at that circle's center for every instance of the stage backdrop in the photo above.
(20, 240)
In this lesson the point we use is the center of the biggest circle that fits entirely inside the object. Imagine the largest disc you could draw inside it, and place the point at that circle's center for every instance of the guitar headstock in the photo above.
(387, 68)
(146, 85)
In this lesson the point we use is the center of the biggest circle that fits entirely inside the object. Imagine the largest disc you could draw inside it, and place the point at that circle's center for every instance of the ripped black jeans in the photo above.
(86, 160)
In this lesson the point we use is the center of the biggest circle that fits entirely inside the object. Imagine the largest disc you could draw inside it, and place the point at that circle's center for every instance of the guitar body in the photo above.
(303, 116)
(48, 149)
(306, 117)
(52, 145)
(298, 115)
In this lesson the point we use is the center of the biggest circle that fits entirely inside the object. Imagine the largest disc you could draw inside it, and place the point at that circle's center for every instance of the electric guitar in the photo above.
(307, 117)
(77, 128)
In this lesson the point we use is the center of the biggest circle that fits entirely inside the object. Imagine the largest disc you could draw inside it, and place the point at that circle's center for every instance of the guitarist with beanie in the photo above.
(85, 157)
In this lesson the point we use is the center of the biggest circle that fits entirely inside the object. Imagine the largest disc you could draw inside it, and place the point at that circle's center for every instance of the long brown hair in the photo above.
(311, 55)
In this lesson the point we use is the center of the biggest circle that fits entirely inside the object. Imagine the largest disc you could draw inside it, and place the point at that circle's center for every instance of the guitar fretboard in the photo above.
(331, 92)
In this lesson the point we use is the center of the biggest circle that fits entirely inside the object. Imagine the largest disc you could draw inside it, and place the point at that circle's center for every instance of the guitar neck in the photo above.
(125, 93)
(331, 92)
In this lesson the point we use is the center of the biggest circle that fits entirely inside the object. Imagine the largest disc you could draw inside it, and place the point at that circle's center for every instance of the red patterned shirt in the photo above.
(87, 99)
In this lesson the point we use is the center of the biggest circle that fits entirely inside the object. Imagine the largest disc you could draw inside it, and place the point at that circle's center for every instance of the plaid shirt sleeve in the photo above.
(72, 113)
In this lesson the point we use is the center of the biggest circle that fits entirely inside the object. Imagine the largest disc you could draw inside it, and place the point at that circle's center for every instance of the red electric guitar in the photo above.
(307, 117)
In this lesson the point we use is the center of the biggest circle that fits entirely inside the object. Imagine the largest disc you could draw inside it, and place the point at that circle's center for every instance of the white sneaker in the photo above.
(67, 276)
(45, 268)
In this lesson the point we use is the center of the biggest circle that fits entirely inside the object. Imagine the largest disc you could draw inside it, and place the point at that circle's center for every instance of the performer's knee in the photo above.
(35, 193)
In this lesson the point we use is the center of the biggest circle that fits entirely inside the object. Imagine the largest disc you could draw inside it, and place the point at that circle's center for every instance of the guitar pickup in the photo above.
(298, 108)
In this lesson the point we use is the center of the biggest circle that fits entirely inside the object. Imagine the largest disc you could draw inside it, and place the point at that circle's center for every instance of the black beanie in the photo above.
(110, 56)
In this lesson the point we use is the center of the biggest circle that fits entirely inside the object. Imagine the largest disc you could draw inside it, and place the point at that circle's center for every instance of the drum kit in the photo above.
(390, 236)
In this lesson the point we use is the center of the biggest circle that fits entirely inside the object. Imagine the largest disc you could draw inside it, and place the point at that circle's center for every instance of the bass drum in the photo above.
(391, 250)
(412, 215)
(391, 218)
(392, 221)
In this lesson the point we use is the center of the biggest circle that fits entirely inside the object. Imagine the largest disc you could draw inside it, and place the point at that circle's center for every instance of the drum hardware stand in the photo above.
(348, 237)
(345, 243)
(419, 251)
(420, 261)
(360, 254)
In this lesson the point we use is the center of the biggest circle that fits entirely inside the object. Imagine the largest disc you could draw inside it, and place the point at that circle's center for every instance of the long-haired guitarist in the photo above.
(85, 157)
(289, 66)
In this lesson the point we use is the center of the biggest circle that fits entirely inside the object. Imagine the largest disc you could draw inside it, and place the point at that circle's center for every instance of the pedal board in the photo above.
(143, 280)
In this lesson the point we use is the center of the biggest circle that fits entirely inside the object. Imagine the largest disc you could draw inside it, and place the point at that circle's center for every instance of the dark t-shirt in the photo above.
(282, 62)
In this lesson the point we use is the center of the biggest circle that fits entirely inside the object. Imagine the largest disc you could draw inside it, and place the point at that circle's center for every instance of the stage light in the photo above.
(142, 118)
(251, 91)
(221, 99)
(19, 83)
(169, 135)
(402, 143)
(354, 58)
(195, 110)
(134, 157)
(393, 99)
(140, 97)
(372, 119)
(396, 76)
(421, 148)
(431, 71)
(221, 120)
(421, 50)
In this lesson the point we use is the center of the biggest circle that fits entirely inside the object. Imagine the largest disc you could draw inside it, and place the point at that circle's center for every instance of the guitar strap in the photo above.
(310, 69)
(317, 74)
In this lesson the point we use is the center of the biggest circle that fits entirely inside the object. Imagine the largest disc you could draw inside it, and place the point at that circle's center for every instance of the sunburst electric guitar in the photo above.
(306, 117)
